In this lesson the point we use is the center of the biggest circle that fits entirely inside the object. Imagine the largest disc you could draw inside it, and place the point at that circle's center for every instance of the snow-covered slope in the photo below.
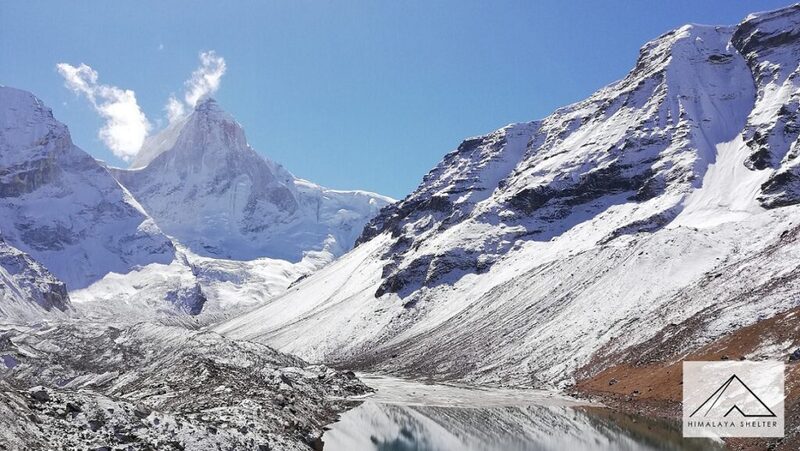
(61, 207)
(210, 288)
(206, 187)
(534, 249)
(26, 287)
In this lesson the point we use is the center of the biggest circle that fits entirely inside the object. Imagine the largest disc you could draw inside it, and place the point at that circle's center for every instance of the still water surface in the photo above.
(409, 416)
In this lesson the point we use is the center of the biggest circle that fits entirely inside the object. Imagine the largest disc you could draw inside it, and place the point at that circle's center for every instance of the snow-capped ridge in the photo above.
(79, 228)
(770, 43)
(533, 250)
(646, 140)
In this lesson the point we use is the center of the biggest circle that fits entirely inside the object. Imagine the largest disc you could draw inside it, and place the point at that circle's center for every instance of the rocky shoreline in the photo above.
(78, 386)
(647, 381)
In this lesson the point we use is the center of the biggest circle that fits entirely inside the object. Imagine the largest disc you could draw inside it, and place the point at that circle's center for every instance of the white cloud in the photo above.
(175, 109)
(125, 126)
(205, 79)
(203, 83)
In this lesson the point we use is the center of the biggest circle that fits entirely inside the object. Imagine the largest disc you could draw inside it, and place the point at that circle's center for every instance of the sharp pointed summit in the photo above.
(207, 122)
(208, 104)
(205, 186)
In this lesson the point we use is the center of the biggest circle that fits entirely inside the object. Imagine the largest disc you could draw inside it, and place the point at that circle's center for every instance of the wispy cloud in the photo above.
(126, 126)
(205, 79)
(204, 82)
(175, 109)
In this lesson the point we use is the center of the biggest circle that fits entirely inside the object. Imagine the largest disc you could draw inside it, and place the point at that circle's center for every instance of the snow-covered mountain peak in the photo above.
(208, 116)
(59, 206)
(209, 106)
(207, 129)
(25, 124)
(207, 135)
(645, 142)
(235, 203)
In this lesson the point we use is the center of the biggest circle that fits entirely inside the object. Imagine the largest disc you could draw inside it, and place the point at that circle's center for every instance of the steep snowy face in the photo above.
(645, 142)
(534, 250)
(26, 287)
(770, 43)
(58, 205)
(205, 186)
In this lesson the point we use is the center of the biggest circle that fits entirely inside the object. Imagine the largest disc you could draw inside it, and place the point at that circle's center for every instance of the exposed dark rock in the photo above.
(190, 300)
(594, 184)
(531, 199)
(391, 216)
(72, 407)
(96, 424)
(720, 59)
(649, 225)
(141, 411)
(748, 39)
(28, 177)
(400, 279)
(781, 189)
(39, 394)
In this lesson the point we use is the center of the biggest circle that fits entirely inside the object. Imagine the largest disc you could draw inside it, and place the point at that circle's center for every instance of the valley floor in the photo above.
(78, 385)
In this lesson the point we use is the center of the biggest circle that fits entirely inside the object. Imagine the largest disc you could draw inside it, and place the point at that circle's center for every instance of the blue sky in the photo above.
(348, 94)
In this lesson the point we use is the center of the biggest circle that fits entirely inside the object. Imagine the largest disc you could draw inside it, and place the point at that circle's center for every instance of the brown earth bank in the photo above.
(654, 388)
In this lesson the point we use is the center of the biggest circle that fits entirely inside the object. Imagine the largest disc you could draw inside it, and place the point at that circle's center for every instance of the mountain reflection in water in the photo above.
(391, 427)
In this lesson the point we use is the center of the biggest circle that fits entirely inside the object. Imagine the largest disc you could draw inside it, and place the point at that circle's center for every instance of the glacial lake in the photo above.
(410, 416)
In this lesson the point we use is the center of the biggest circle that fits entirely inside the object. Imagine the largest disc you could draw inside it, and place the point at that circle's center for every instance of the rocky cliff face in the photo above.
(26, 286)
(205, 186)
(530, 251)
(644, 141)
(770, 43)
